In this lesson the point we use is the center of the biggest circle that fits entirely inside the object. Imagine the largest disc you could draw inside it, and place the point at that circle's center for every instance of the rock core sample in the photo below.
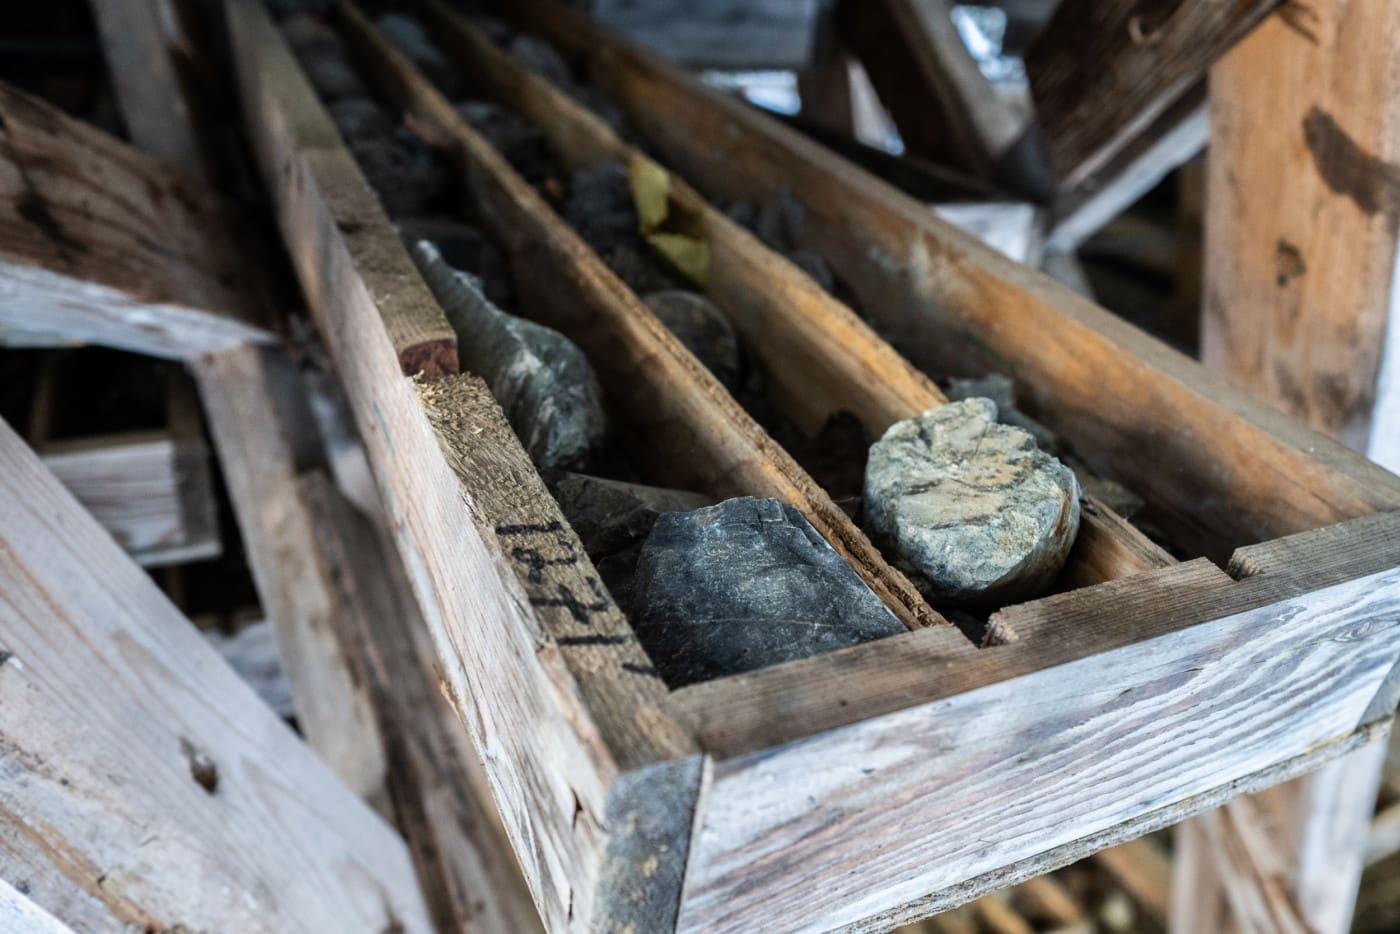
(971, 509)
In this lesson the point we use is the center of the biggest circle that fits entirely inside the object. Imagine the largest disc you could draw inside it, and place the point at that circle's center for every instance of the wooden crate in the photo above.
(899, 777)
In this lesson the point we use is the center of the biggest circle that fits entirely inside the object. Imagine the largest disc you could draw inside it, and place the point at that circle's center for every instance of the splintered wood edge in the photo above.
(176, 290)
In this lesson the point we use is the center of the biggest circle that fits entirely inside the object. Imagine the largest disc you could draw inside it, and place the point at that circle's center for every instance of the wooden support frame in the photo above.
(145, 784)
(836, 748)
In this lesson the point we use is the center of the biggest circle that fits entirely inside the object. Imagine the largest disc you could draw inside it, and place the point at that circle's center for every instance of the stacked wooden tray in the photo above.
(898, 777)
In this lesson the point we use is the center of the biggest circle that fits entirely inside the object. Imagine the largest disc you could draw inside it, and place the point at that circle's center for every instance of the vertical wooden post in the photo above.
(1304, 196)
(1303, 200)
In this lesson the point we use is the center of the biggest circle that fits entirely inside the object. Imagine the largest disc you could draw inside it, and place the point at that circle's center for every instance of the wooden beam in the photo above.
(18, 913)
(1300, 260)
(946, 110)
(100, 243)
(150, 95)
(1144, 871)
(152, 493)
(733, 34)
(1101, 72)
(145, 783)
(1303, 197)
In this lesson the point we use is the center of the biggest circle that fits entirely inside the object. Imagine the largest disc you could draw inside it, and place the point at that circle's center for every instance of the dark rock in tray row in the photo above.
(407, 34)
(599, 207)
(835, 458)
(612, 520)
(523, 144)
(743, 585)
(703, 329)
(463, 247)
(544, 384)
(402, 170)
(306, 32)
(359, 118)
(331, 75)
(540, 57)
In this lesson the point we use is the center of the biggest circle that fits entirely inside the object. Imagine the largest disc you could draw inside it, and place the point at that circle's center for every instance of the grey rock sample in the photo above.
(599, 206)
(407, 34)
(703, 329)
(466, 248)
(536, 55)
(972, 510)
(402, 170)
(331, 75)
(743, 585)
(306, 32)
(543, 383)
(816, 266)
(1002, 391)
(612, 520)
(359, 118)
(523, 144)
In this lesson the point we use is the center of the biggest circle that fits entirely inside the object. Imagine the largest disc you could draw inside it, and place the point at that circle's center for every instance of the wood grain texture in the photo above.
(975, 781)
(145, 784)
(1303, 193)
(685, 429)
(1219, 467)
(101, 243)
(1100, 72)
(153, 494)
(264, 436)
(557, 720)
(18, 913)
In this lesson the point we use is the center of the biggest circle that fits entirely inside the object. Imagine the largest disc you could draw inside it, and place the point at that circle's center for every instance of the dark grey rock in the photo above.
(612, 520)
(703, 329)
(543, 383)
(969, 508)
(466, 248)
(816, 266)
(406, 175)
(599, 207)
(407, 34)
(359, 118)
(306, 32)
(331, 75)
(743, 585)
(540, 57)
(522, 143)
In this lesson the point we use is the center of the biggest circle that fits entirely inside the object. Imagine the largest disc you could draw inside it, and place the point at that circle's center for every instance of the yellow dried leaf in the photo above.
(651, 186)
(689, 255)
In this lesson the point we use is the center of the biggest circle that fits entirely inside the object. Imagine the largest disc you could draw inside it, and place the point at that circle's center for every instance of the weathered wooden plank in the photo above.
(1303, 194)
(153, 494)
(1100, 72)
(719, 33)
(977, 779)
(144, 783)
(944, 107)
(559, 707)
(1142, 868)
(1217, 467)
(18, 913)
(100, 243)
(265, 437)
(148, 90)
